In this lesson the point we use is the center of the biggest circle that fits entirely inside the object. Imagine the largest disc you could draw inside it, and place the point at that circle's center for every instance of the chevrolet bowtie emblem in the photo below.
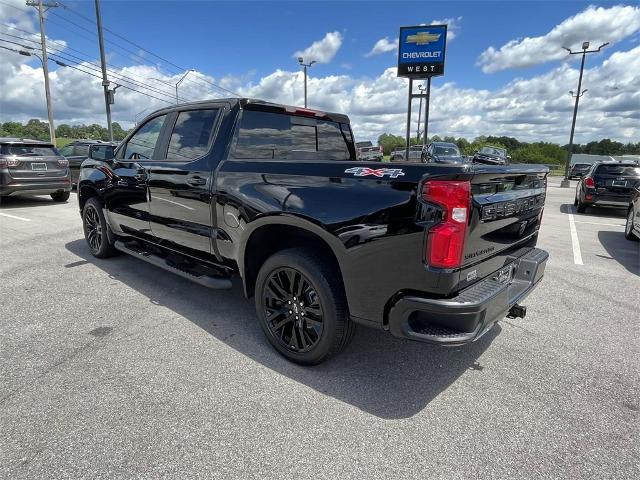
(423, 38)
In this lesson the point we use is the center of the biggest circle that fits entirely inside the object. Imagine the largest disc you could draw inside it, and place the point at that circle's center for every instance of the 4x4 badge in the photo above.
(376, 172)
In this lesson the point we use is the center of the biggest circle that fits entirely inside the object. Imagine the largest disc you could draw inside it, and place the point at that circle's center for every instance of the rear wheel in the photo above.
(95, 230)
(60, 196)
(301, 306)
(580, 207)
(628, 229)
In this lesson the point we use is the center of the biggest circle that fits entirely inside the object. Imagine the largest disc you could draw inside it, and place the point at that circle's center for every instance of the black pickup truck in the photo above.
(275, 195)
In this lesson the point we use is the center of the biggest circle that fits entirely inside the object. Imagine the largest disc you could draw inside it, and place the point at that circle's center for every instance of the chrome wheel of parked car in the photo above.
(628, 228)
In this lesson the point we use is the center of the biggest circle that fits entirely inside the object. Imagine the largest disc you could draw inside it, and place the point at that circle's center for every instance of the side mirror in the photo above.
(102, 152)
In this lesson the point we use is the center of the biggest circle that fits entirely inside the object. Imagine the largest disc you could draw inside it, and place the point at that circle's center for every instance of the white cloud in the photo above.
(322, 51)
(385, 45)
(382, 46)
(595, 24)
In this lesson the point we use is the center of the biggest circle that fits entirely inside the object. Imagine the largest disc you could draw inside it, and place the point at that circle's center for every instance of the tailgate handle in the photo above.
(196, 181)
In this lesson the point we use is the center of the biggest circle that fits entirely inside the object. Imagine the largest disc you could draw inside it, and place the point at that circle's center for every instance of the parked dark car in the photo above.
(275, 195)
(367, 151)
(632, 227)
(607, 184)
(578, 170)
(443, 152)
(77, 152)
(32, 167)
(491, 156)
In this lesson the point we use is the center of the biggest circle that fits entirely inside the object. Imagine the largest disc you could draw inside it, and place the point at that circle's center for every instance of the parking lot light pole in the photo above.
(422, 89)
(305, 65)
(585, 49)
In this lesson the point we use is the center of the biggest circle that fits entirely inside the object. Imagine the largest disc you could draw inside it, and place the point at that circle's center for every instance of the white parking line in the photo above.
(577, 255)
(603, 224)
(13, 216)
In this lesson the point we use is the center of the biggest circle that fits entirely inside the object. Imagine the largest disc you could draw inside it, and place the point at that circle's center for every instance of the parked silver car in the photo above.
(416, 154)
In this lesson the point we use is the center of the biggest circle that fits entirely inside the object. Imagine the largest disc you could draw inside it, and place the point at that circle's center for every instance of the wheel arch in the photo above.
(270, 235)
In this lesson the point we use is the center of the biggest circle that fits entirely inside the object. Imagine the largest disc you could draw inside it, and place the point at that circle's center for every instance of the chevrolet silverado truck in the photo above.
(275, 195)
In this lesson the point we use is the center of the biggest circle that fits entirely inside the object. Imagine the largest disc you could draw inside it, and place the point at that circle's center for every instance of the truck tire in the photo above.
(60, 196)
(301, 306)
(96, 230)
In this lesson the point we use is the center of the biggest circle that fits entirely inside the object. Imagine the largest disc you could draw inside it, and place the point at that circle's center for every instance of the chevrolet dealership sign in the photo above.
(421, 51)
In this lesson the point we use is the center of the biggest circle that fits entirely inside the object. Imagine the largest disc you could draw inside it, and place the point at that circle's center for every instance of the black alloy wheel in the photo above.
(292, 310)
(93, 228)
(628, 228)
(96, 231)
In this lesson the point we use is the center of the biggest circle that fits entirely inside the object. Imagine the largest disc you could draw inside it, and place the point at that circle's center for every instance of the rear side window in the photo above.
(267, 135)
(191, 135)
(621, 170)
(81, 150)
(26, 150)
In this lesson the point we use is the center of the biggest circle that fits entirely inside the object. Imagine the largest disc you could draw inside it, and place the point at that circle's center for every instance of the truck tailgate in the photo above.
(506, 210)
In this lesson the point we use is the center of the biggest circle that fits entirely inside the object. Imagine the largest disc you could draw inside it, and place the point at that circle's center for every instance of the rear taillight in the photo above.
(63, 162)
(9, 162)
(589, 182)
(445, 241)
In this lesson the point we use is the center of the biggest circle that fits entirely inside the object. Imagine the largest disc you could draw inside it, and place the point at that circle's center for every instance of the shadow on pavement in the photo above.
(379, 374)
(595, 212)
(625, 252)
(25, 201)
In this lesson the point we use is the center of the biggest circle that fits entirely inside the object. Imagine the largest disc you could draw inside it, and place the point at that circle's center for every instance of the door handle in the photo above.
(196, 181)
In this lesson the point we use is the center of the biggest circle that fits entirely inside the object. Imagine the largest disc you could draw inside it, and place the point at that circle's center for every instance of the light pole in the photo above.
(176, 85)
(422, 89)
(585, 49)
(180, 81)
(135, 118)
(305, 65)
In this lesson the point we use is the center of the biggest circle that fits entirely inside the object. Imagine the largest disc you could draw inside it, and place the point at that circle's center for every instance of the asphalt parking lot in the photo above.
(114, 368)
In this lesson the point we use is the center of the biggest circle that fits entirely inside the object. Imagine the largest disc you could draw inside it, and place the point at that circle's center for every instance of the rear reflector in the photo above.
(445, 241)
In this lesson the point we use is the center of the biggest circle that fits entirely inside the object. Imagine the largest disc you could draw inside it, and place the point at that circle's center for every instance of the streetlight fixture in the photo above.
(176, 85)
(585, 49)
(305, 65)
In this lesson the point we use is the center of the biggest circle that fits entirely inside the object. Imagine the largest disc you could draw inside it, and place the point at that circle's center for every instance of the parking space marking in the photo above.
(577, 255)
(15, 217)
(602, 224)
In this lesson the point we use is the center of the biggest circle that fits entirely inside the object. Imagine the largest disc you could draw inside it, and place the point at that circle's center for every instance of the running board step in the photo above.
(138, 251)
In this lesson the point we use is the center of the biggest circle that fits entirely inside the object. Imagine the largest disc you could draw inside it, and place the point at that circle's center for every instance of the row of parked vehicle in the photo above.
(436, 152)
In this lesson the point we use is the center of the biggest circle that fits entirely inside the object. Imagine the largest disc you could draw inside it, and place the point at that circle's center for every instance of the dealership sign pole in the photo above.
(421, 53)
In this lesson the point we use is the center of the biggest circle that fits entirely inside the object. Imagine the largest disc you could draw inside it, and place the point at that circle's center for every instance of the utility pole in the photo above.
(585, 49)
(105, 81)
(45, 67)
(305, 65)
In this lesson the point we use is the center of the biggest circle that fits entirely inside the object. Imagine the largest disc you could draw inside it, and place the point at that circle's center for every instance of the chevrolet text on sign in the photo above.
(421, 51)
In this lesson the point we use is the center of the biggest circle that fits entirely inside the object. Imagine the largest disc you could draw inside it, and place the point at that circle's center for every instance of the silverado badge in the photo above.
(376, 172)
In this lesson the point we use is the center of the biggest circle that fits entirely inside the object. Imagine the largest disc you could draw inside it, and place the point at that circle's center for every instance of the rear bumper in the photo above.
(20, 187)
(618, 201)
(467, 316)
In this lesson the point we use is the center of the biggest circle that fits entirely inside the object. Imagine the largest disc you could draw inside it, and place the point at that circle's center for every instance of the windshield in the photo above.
(500, 152)
(26, 150)
(447, 150)
(628, 170)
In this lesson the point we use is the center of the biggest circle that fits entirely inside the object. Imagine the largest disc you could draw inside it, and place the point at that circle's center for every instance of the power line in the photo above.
(119, 77)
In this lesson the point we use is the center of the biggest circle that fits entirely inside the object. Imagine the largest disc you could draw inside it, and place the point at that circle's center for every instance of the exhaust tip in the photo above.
(517, 311)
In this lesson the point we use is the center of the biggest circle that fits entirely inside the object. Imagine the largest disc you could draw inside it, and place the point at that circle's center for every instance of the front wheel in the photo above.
(95, 230)
(60, 196)
(301, 306)
(628, 228)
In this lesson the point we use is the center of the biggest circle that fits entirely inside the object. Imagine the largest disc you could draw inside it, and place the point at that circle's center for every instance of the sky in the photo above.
(506, 72)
